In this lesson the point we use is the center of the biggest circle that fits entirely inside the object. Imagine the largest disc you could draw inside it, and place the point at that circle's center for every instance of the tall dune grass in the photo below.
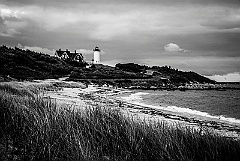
(34, 128)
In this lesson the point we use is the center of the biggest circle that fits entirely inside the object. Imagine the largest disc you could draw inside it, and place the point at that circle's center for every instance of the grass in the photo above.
(34, 128)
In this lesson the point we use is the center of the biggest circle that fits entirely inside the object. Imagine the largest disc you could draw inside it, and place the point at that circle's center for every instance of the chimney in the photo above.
(66, 49)
(59, 49)
(75, 51)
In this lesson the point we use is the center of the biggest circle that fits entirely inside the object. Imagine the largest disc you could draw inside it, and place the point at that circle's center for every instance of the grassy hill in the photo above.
(174, 75)
(21, 64)
(25, 64)
(137, 76)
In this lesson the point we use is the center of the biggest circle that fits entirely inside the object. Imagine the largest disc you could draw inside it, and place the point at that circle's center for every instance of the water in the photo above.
(224, 105)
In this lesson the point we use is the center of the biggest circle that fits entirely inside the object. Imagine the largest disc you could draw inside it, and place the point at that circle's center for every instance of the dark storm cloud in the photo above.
(39, 2)
(223, 23)
(1, 22)
(2, 27)
(233, 3)
(217, 44)
(224, 19)
(134, 2)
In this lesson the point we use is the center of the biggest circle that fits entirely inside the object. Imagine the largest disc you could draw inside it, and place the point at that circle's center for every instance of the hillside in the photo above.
(137, 76)
(173, 75)
(25, 64)
(22, 65)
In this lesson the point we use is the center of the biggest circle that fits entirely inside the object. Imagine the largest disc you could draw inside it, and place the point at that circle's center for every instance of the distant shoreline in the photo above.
(194, 86)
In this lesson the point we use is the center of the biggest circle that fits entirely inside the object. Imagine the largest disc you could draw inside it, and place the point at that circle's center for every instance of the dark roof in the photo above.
(60, 52)
(70, 55)
(75, 54)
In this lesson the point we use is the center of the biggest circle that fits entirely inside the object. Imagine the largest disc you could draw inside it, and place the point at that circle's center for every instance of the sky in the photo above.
(191, 35)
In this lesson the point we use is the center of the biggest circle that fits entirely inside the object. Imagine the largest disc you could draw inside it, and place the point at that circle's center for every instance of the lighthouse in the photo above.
(96, 54)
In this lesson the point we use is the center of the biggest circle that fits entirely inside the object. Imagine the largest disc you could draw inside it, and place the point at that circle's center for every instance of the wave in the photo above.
(136, 99)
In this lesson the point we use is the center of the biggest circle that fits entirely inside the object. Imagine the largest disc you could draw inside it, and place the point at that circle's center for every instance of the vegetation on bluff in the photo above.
(34, 128)
(26, 64)
(174, 75)
(139, 76)
(21, 64)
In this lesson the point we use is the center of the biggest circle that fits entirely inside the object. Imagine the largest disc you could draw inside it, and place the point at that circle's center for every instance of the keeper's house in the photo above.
(68, 56)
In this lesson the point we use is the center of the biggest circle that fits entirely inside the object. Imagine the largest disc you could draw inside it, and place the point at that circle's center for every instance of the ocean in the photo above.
(220, 105)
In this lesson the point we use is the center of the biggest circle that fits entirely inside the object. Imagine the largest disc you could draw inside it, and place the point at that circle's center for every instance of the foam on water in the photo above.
(134, 97)
(137, 100)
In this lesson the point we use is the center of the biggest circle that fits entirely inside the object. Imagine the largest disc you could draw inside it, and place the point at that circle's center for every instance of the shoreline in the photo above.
(75, 94)
(141, 112)
(190, 121)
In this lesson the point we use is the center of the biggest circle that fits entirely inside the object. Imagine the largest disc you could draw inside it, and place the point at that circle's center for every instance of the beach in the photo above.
(76, 95)
(56, 119)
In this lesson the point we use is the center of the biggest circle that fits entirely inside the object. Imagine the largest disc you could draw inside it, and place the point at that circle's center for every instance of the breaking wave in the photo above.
(136, 99)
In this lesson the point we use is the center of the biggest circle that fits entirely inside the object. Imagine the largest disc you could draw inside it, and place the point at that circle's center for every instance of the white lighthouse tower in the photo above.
(96, 55)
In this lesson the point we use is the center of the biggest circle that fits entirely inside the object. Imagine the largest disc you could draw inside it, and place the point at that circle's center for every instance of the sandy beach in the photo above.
(76, 95)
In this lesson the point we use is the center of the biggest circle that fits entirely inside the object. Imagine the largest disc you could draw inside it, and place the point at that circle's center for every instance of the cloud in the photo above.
(37, 49)
(222, 24)
(104, 21)
(116, 2)
(107, 32)
(10, 21)
(171, 47)
(8, 13)
(223, 19)
(89, 51)
(2, 27)
(230, 77)
(6, 30)
(85, 51)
